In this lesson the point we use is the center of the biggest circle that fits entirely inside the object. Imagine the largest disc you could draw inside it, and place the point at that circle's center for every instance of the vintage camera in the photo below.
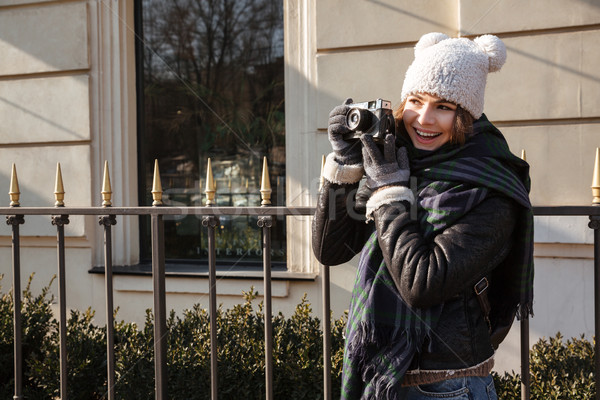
(370, 118)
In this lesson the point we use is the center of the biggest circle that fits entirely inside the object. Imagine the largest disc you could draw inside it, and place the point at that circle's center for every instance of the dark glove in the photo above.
(387, 169)
(361, 198)
(345, 152)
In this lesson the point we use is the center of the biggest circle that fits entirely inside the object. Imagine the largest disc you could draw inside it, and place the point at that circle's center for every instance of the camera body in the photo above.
(370, 118)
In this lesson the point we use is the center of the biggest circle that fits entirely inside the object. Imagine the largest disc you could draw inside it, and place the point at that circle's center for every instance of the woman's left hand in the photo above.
(387, 169)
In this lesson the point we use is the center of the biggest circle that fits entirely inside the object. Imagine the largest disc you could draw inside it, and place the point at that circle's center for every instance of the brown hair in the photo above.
(461, 129)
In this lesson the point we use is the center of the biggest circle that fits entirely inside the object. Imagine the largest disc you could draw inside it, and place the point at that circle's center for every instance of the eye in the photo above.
(447, 107)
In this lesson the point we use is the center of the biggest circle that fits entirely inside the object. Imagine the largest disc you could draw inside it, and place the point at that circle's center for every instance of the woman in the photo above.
(448, 234)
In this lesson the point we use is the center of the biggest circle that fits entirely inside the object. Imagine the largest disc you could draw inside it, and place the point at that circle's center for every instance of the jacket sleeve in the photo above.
(428, 272)
(338, 228)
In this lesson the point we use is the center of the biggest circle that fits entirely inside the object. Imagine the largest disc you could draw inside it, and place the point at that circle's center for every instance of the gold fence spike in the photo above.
(106, 188)
(523, 155)
(157, 191)
(59, 189)
(211, 187)
(596, 179)
(265, 185)
(14, 192)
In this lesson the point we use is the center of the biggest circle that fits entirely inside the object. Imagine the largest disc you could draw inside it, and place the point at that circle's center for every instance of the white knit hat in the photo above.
(454, 69)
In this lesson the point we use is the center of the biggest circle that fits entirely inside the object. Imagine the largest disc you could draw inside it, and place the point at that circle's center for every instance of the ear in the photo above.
(428, 40)
(495, 50)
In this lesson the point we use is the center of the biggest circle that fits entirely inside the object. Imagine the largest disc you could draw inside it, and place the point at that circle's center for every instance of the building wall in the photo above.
(45, 114)
(67, 94)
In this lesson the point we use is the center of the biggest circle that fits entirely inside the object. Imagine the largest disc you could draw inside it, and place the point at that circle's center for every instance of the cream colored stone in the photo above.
(227, 287)
(112, 88)
(41, 264)
(561, 159)
(21, 2)
(43, 38)
(564, 302)
(547, 77)
(36, 171)
(478, 17)
(363, 23)
(563, 229)
(355, 75)
(300, 121)
(45, 109)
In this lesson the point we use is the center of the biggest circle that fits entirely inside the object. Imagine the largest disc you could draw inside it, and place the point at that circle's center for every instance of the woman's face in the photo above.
(428, 120)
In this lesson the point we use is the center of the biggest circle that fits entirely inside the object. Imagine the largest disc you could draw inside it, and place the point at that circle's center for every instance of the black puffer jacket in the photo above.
(426, 272)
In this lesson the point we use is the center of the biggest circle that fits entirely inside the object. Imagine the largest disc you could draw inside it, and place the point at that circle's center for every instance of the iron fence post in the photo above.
(60, 221)
(160, 313)
(326, 332)
(595, 225)
(266, 223)
(210, 222)
(108, 221)
(15, 221)
(525, 381)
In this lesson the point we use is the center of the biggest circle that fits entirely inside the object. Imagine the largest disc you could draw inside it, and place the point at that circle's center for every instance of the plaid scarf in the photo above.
(383, 333)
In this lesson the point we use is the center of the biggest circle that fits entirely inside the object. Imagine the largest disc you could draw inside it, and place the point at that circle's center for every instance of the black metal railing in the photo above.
(108, 217)
(15, 216)
(59, 216)
(593, 212)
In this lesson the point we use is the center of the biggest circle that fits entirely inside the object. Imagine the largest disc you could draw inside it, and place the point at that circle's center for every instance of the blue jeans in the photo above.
(469, 388)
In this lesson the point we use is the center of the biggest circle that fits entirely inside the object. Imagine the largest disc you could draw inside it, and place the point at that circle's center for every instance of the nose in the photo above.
(426, 115)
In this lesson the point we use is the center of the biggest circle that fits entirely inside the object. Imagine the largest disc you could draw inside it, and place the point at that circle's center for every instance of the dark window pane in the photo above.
(210, 84)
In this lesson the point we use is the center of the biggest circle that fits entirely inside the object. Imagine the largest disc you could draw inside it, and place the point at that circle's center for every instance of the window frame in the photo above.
(142, 172)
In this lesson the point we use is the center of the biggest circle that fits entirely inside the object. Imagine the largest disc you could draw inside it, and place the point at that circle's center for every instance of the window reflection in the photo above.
(211, 84)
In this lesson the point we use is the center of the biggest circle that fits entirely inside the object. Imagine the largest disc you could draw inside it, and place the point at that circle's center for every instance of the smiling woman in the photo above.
(210, 79)
(446, 255)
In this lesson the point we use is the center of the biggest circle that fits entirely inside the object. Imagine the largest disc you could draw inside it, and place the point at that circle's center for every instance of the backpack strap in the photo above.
(481, 289)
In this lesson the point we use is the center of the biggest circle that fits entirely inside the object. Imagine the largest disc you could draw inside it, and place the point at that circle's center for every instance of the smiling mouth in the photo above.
(427, 135)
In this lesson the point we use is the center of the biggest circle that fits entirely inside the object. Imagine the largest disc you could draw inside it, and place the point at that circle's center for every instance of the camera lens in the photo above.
(358, 119)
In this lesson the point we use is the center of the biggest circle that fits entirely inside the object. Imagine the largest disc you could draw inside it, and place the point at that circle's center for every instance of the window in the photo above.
(210, 85)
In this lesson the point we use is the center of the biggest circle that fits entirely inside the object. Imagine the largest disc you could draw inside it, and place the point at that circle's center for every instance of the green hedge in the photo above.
(297, 341)
(559, 369)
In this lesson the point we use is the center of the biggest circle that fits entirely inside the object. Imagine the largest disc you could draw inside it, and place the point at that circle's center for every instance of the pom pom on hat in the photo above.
(494, 48)
(429, 40)
(454, 69)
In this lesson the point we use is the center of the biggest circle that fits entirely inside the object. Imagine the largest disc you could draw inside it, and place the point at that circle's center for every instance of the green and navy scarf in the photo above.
(383, 333)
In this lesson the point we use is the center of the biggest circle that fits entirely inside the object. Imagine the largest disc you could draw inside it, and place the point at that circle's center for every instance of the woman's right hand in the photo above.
(346, 152)
(387, 168)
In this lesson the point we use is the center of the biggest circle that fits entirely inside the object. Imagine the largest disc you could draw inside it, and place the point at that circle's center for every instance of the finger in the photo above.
(348, 101)
(370, 147)
(337, 119)
(403, 158)
(337, 131)
(389, 148)
(366, 155)
(367, 141)
(339, 110)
